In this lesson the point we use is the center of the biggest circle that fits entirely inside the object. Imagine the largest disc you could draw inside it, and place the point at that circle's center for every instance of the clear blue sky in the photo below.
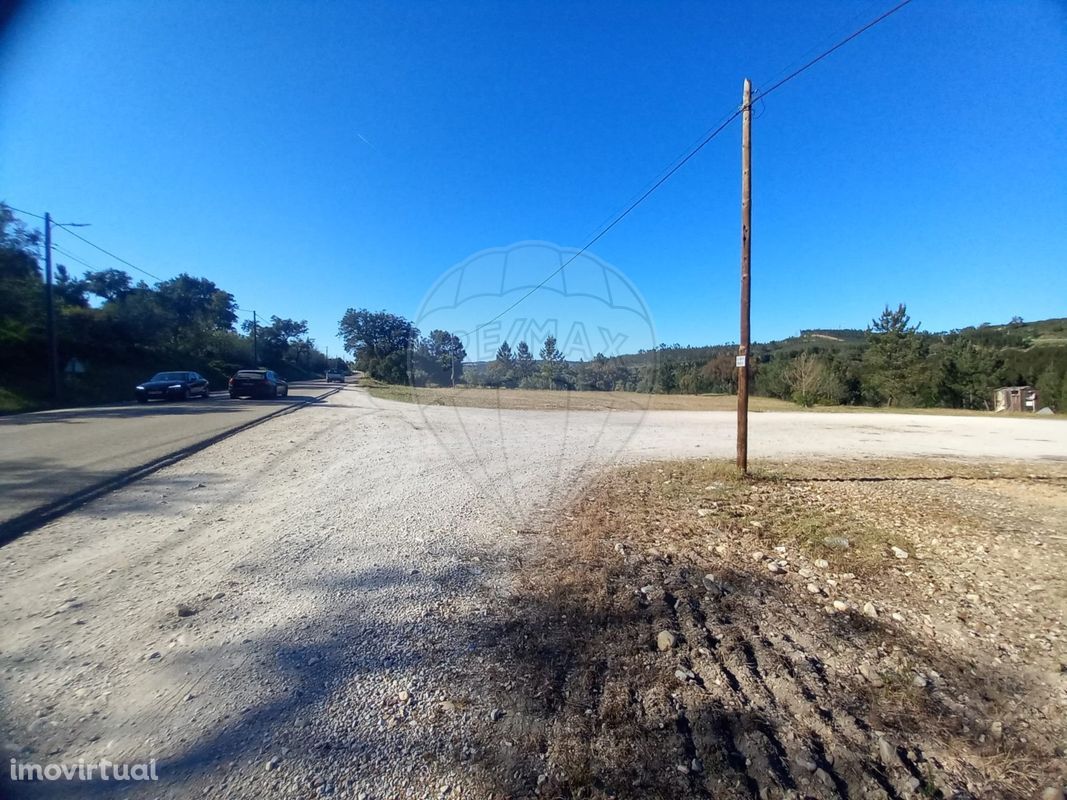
(309, 157)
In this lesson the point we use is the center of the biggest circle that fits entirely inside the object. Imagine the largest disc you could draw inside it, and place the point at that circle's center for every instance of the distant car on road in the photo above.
(335, 376)
(258, 383)
(172, 386)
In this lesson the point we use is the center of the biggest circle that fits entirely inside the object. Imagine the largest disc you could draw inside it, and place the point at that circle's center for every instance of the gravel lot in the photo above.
(284, 613)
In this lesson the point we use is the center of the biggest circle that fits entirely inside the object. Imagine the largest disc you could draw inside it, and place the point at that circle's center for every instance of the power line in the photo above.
(67, 228)
(825, 53)
(619, 218)
(660, 174)
(27, 213)
(108, 252)
(683, 160)
(73, 257)
(861, 14)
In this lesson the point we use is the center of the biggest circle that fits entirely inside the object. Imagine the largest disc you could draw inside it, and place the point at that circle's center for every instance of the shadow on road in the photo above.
(588, 706)
(294, 683)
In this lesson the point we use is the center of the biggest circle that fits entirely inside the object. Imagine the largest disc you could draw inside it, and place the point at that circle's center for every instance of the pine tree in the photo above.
(895, 355)
(551, 362)
(524, 362)
(502, 370)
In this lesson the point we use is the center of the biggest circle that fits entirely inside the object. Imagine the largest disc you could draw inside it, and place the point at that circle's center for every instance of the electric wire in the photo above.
(859, 32)
(73, 257)
(619, 218)
(108, 252)
(683, 160)
(67, 227)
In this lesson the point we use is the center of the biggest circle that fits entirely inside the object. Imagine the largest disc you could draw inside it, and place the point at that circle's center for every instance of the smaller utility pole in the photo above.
(50, 306)
(255, 341)
(746, 285)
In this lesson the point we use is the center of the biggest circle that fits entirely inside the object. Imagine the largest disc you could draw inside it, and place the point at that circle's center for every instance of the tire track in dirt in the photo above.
(716, 703)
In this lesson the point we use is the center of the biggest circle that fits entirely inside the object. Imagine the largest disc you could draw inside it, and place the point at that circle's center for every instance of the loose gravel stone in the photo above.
(665, 640)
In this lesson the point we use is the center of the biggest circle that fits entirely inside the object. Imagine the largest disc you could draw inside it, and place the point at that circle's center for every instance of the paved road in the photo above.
(49, 455)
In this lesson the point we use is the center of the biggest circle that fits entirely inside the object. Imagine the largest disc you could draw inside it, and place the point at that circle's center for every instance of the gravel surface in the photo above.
(284, 614)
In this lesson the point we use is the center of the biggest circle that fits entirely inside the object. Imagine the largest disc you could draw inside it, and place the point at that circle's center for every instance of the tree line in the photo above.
(112, 333)
(897, 364)
(891, 363)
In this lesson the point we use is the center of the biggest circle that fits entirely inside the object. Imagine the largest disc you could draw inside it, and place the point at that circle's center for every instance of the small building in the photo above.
(1015, 398)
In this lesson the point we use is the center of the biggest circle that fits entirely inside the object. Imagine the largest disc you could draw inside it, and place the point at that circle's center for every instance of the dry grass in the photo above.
(780, 677)
(536, 399)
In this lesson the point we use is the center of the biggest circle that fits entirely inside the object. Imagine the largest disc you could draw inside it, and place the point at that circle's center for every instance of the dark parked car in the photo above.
(172, 386)
(258, 383)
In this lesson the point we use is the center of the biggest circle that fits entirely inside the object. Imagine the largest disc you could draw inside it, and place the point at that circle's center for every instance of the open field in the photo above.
(536, 399)
(683, 633)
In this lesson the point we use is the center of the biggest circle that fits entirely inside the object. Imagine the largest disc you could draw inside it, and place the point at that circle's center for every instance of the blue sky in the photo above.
(309, 157)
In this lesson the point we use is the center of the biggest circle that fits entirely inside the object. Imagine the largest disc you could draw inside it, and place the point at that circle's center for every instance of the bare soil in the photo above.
(789, 663)
(544, 400)
(540, 399)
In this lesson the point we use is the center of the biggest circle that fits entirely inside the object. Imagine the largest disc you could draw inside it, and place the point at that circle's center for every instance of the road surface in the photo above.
(50, 455)
(289, 613)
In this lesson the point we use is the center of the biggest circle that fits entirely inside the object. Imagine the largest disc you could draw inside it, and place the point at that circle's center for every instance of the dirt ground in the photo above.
(538, 399)
(683, 633)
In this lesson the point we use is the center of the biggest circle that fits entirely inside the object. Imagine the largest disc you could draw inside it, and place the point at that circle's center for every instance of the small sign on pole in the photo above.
(741, 361)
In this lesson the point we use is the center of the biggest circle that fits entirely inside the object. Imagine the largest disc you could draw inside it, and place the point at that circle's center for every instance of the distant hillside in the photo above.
(905, 367)
(835, 334)
(1016, 335)
(1041, 333)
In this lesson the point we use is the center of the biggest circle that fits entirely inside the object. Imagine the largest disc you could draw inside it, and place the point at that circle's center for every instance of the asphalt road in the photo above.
(50, 455)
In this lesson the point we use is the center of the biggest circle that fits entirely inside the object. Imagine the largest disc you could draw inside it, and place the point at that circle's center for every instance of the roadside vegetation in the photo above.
(113, 333)
(832, 629)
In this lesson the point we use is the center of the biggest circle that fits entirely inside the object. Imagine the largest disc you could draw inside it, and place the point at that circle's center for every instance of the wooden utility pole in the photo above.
(255, 341)
(50, 307)
(746, 284)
